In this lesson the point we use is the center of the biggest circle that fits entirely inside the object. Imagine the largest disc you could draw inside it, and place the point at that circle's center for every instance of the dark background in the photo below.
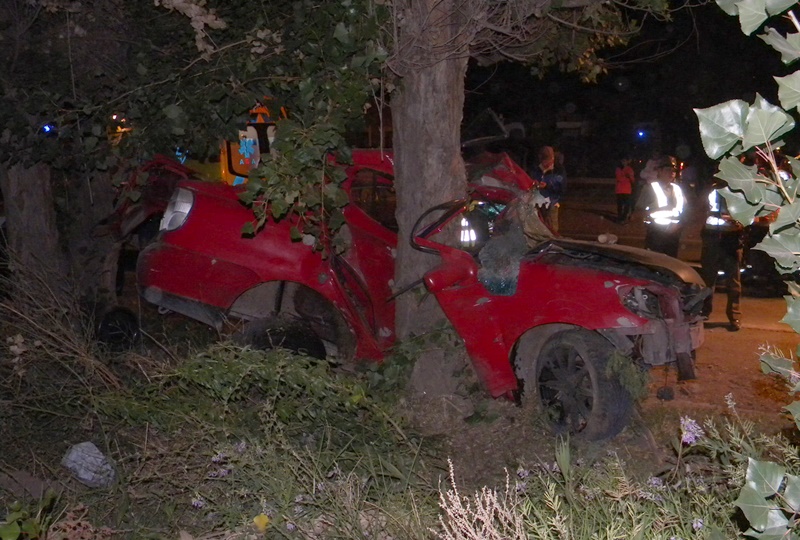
(642, 105)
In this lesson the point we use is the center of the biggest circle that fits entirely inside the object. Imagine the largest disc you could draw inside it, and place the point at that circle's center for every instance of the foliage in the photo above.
(20, 523)
(48, 340)
(570, 498)
(765, 188)
(275, 435)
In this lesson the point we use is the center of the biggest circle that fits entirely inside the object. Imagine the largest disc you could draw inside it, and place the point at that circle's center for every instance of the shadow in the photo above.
(712, 325)
(609, 216)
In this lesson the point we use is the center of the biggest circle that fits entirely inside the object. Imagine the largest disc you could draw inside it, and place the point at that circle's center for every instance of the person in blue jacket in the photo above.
(550, 179)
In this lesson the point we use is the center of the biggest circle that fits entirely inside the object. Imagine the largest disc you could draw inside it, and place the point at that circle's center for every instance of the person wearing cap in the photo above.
(664, 212)
(550, 180)
(723, 243)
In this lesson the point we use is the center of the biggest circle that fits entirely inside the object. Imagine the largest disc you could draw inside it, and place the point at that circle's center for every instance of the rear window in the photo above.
(373, 192)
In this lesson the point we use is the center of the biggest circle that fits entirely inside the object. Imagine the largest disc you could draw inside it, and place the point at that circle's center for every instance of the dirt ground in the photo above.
(500, 436)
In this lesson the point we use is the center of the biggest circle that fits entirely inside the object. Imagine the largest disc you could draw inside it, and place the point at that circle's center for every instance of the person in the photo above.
(550, 180)
(722, 248)
(665, 209)
(624, 189)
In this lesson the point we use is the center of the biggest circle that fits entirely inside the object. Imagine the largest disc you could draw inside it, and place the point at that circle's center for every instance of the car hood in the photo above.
(623, 259)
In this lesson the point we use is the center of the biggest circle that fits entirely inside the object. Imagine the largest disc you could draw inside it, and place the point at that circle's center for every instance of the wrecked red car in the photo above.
(542, 317)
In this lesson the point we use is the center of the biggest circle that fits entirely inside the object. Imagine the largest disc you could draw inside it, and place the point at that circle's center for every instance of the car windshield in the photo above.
(497, 234)
(481, 221)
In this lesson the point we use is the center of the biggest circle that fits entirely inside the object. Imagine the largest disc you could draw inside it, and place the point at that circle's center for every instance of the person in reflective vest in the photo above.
(723, 241)
(665, 209)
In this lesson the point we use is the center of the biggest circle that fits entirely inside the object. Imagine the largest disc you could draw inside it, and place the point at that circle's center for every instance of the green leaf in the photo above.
(740, 209)
(30, 529)
(788, 46)
(765, 477)
(295, 234)
(794, 409)
(722, 126)
(10, 531)
(248, 229)
(792, 317)
(729, 7)
(774, 533)
(90, 143)
(741, 178)
(716, 534)
(784, 248)
(752, 14)
(791, 493)
(787, 217)
(772, 363)
(765, 122)
(760, 513)
(789, 89)
(173, 111)
(774, 7)
(341, 34)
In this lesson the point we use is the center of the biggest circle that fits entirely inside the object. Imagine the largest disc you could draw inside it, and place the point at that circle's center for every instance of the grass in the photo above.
(216, 441)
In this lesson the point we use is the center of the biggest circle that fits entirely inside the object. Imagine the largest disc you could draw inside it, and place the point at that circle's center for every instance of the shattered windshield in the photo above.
(497, 234)
(482, 222)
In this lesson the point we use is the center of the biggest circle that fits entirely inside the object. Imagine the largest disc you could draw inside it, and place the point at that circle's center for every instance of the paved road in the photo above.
(590, 210)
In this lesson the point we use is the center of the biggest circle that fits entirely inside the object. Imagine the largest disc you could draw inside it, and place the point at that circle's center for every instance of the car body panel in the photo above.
(206, 264)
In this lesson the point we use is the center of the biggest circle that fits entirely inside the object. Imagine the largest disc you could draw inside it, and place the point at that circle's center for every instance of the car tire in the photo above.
(118, 329)
(574, 389)
(281, 332)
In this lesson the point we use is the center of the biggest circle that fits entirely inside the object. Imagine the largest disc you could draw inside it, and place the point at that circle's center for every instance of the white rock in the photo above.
(88, 464)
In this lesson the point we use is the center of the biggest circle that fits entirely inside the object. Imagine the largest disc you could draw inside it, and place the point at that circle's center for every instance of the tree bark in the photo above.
(429, 169)
(93, 251)
(33, 239)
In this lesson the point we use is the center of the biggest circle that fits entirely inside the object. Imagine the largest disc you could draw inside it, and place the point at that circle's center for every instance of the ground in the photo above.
(487, 439)
(498, 435)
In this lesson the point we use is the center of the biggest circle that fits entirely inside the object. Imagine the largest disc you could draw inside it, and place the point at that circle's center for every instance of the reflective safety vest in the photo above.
(669, 205)
(718, 218)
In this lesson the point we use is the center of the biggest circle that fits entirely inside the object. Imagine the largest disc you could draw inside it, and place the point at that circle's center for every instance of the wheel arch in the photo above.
(298, 300)
(530, 344)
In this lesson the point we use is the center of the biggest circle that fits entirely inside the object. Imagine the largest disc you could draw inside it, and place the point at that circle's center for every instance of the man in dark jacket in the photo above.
(723, 241)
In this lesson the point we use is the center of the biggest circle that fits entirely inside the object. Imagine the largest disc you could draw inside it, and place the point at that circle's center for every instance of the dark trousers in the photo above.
(723, 251)
(662, 238)
(624, 206)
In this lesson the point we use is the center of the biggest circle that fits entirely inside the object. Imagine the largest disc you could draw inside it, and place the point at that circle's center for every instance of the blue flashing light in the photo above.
(47, 128)
(641, 134)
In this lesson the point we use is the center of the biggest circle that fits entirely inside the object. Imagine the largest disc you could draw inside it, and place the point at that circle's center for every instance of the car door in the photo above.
(366, 266)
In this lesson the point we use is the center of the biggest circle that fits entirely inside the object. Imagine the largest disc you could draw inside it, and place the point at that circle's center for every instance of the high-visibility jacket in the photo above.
(718, 217)
(667, 205)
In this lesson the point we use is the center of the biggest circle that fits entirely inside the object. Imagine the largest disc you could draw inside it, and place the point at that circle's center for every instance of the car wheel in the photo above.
(281, 332)
(574, 388)
(118, 329)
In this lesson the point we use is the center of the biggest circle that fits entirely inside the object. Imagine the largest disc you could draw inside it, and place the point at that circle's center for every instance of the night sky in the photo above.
(713, 62)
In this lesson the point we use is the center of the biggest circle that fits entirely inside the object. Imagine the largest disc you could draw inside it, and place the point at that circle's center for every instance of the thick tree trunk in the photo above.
(93, 251)
(427, 115)
(33, 238)
(75, 262)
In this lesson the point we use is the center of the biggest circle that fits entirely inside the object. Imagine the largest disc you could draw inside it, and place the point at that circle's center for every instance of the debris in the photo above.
(89, 465)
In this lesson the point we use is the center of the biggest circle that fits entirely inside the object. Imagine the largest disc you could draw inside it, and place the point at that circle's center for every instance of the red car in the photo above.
(547, 320)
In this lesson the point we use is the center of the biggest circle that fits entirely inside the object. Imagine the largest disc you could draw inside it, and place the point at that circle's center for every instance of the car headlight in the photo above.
(177, 210)
(643, 303)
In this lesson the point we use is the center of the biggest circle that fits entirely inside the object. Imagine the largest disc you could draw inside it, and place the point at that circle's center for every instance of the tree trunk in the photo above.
(429, 169)
(93, 251)
(33, 239)
(77, 262)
